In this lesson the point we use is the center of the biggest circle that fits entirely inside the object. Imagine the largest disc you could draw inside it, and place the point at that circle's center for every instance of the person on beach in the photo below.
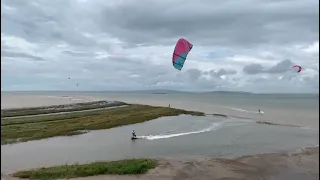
(134, 134)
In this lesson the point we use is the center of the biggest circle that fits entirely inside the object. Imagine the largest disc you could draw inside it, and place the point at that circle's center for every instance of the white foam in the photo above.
(308, 128)
(214, 126)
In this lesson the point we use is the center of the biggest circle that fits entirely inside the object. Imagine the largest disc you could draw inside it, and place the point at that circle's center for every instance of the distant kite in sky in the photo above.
(180, 53)
(298, 67)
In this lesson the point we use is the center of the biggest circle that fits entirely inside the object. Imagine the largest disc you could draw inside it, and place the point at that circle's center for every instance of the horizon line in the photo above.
(181, 91)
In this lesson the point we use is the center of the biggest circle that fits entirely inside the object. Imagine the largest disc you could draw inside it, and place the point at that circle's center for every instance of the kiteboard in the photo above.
(133, 138)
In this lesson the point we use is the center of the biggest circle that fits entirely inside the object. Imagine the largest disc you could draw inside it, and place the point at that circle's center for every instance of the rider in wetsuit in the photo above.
(134, 134)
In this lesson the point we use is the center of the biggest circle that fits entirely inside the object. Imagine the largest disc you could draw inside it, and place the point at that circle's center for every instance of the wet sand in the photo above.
(21, 100)
(299, 166)
(303, 165)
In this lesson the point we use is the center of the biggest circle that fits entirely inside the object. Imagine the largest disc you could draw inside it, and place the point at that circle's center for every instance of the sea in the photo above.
(237, 133)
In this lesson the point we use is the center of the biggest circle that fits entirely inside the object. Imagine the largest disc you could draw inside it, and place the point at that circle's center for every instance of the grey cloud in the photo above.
(213, 22)
(222, 23)
(69, 35)
(194, 74)
(21, 55)
(281, 67)
(41, 21)
(253, 69)
(222, 72)
(74, 53)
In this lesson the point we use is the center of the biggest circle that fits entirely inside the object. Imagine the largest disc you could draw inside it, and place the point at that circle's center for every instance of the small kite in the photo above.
(180, 53)
(299, 68)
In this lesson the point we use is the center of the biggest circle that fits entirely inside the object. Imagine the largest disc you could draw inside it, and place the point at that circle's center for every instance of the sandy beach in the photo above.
(299, 166)
(276, 166)
(22, 100)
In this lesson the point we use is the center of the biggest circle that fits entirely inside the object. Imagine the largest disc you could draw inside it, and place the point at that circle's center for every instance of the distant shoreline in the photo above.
(63, 108)
(164, 92)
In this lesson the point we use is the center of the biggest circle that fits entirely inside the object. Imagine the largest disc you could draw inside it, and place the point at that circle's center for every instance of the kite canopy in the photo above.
(180, 53)
(297, 66)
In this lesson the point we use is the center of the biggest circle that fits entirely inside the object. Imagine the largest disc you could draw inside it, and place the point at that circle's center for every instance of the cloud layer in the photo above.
(127, 45)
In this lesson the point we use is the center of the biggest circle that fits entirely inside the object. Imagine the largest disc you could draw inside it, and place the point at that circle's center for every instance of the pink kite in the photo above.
(180, 53)
(297, 66)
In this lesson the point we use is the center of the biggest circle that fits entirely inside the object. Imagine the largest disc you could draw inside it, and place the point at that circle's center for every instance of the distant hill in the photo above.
(164, 91)
(160, 91)
(229, 92)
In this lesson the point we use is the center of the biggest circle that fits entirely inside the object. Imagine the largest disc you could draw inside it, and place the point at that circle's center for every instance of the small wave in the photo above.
(308, 128)
(75, 99)
(214, 126)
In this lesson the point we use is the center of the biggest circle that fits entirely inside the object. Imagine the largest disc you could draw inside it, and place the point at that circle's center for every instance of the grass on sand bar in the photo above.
(38, 127)
(130, 166)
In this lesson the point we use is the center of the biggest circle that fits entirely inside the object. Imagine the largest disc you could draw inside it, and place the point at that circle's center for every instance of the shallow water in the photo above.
(297, 109)
(183, 136)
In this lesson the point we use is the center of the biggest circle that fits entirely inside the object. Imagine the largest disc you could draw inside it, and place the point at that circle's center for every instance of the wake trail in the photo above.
(214, 126)
(243, 110)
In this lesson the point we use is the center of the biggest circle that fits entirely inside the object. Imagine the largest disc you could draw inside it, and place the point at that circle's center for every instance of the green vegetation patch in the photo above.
(129, 166)
(32, 128)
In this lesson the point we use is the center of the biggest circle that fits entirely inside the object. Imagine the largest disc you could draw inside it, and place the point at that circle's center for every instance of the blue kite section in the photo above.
(178, 64)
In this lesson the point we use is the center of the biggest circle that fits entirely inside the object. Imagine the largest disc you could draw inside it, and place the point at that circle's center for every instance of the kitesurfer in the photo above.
(134, 134)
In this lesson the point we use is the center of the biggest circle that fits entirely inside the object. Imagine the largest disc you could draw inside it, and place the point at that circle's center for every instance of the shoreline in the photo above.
(62, 108)
(299, 165)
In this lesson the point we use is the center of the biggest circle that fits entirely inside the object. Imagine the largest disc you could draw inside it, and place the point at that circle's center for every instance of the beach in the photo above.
(303, 165)
(242, 154)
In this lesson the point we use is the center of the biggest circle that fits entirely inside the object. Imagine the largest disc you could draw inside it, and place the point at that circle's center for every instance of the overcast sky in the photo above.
(247, 45)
